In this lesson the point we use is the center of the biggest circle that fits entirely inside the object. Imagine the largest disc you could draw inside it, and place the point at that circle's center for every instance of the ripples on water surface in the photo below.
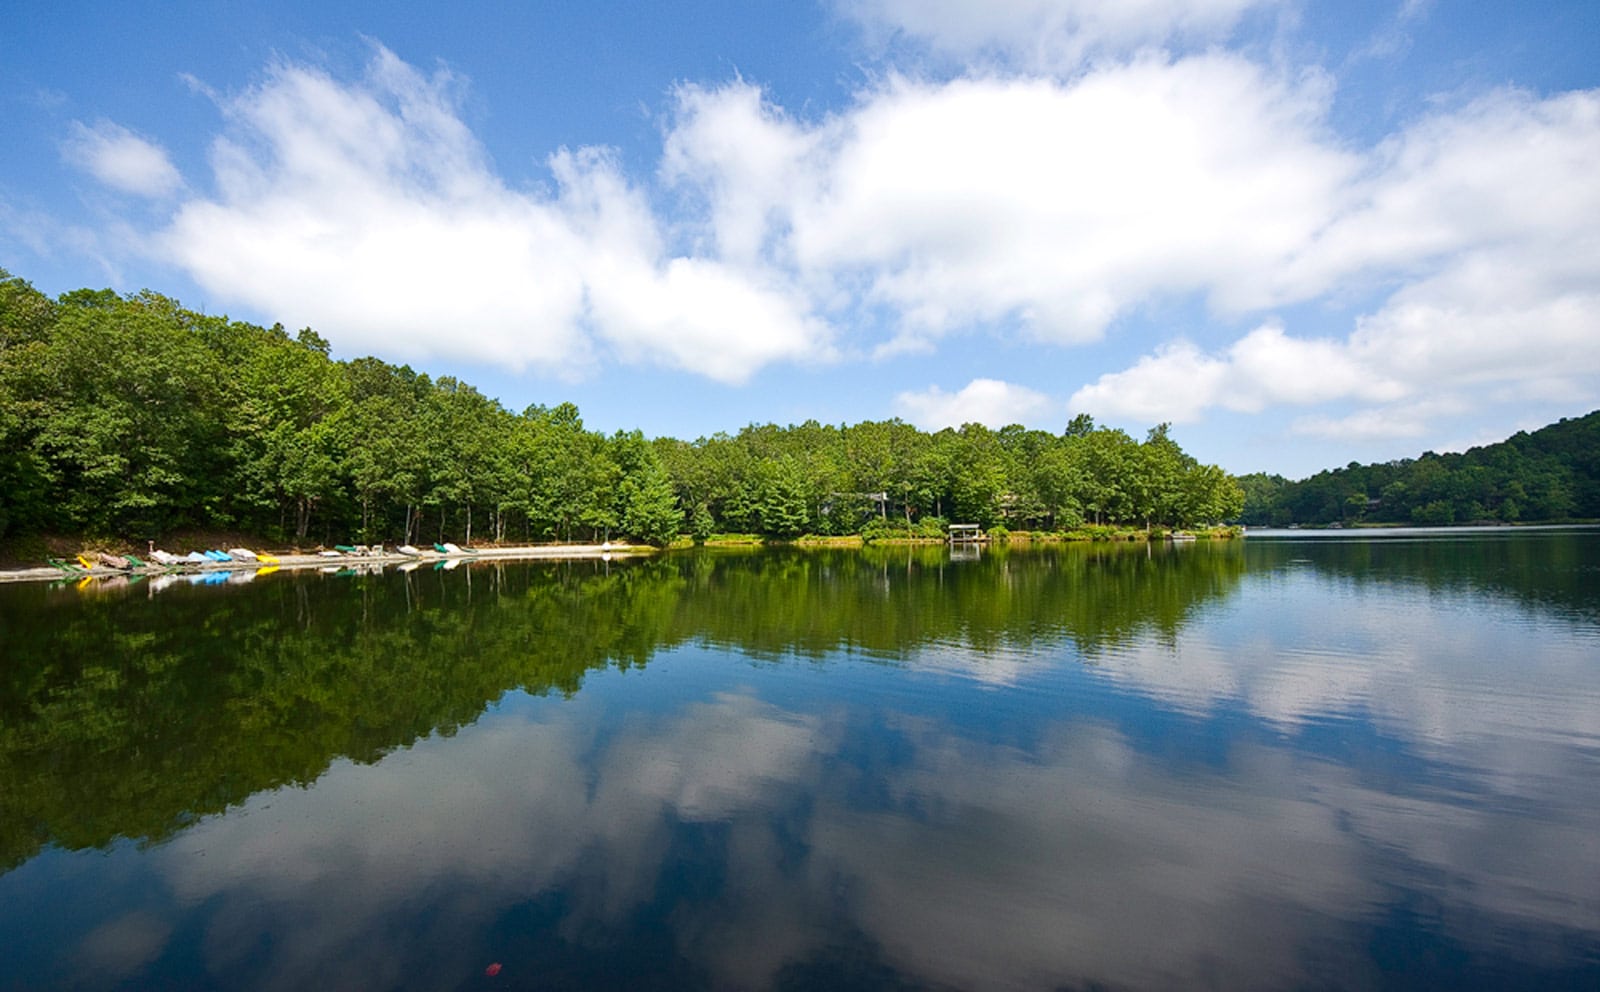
(1279, 763)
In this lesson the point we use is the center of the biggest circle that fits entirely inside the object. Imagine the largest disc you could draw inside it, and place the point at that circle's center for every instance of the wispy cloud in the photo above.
(121, 159)
(1048, 34)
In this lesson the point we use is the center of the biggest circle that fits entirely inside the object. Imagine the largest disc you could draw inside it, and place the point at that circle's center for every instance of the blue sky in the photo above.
(1304, 233)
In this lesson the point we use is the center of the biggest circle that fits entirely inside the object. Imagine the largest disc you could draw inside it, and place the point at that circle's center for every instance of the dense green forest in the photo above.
(132, 417)
(1551, 474)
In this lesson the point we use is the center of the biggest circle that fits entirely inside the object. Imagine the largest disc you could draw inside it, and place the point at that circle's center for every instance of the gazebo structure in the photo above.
(965, 534)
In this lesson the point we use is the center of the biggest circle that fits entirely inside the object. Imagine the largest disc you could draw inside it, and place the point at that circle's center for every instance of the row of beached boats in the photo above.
(162, 561)
(447, 548)
(101, 563)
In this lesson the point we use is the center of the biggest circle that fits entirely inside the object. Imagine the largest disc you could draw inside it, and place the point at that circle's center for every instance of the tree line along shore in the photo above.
(130, 417)
(1544, 476)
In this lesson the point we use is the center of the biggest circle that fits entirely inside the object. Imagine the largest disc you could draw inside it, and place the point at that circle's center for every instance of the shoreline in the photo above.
(288, 562)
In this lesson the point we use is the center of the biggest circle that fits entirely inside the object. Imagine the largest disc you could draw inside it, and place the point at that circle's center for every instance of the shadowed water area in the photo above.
(1328, 762)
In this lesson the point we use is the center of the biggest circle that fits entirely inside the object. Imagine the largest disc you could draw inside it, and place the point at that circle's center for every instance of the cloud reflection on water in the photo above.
(958, 861)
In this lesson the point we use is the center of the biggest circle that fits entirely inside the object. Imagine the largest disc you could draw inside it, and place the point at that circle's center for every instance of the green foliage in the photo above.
(646, 503)
(131, 416)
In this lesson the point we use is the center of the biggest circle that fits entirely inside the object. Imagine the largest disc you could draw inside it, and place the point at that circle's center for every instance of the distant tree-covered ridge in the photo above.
(130, 416)
(1552, 474)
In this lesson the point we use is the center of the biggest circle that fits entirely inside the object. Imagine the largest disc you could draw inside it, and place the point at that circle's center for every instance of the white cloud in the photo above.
(1508, 174)
(983, 201)
(1050, 33)
(743, 156)
(371, 212)
(1484, 214)
(1050, 208)
(1175, 384)
(1179, 382)
(1366, 425)
(121, 159)
(1063, 207)
(982, 401)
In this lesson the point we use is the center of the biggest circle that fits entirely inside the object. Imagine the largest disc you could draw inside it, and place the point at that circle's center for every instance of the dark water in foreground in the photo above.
(1278, 763)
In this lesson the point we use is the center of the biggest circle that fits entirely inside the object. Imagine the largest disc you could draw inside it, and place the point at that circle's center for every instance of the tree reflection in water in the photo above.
(1234, 765)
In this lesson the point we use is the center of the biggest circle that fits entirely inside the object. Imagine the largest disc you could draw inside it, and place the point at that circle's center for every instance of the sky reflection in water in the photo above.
(1323, 777)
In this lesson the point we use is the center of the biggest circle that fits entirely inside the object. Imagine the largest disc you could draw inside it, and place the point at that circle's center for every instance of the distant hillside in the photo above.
(1551, 474)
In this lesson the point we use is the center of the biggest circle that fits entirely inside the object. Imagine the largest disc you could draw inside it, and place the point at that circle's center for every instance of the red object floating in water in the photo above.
(492, 970)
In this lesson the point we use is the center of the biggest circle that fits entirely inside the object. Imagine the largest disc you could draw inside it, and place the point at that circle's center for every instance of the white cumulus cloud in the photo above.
(1482, 218)
(1058, 207)
(982, 401)
(1265, 368)
(369, 210)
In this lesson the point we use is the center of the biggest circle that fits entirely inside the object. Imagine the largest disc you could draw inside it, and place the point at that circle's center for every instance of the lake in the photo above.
(1323, 761)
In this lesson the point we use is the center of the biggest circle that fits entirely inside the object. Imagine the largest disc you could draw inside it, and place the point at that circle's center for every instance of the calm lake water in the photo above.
(1336, 762)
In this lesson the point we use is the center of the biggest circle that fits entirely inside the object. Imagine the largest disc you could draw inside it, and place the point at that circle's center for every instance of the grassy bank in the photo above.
(914, 535)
